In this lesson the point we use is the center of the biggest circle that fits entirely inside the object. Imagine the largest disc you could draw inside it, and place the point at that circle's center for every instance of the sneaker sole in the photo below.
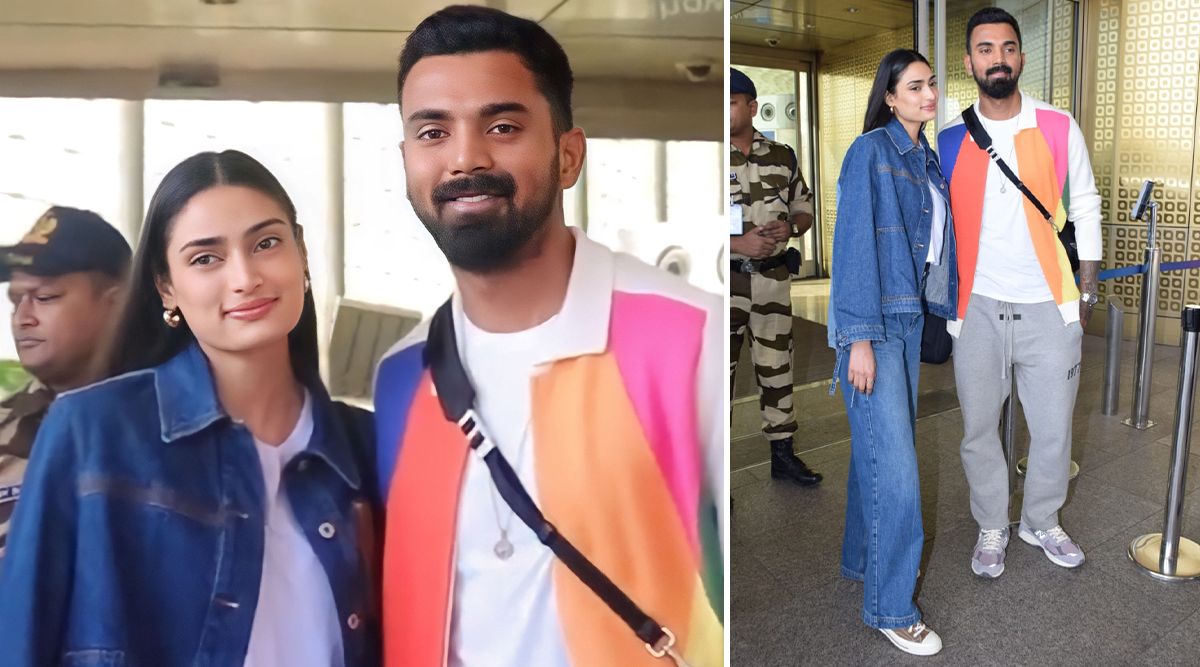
(985, 574)
(1032, 540)
(911, 649)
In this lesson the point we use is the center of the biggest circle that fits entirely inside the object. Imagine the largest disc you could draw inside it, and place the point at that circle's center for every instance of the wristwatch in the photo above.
(1090, 298)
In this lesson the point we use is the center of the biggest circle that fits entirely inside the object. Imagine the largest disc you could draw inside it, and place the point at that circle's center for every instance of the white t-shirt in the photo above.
(1007, 268)
(500, 367)
(937, 230)
(296, 621)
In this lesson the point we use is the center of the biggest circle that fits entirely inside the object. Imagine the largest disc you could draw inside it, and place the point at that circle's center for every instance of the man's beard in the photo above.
(491, 241)
(998, 89)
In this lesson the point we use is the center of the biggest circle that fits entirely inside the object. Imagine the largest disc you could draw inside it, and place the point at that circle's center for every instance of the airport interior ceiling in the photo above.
(664, 55)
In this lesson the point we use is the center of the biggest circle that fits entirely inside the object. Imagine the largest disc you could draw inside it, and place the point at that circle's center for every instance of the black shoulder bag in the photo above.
(457, 398)
(1066, 235)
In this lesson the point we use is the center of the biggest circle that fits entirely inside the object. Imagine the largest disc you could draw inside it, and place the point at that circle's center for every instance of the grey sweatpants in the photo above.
(1045, 353)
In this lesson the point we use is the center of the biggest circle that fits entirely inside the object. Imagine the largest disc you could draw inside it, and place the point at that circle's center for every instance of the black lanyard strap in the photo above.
(984, 141)
(457, 398)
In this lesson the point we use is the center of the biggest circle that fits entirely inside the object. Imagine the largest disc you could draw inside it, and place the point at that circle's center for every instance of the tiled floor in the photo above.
(790, 607)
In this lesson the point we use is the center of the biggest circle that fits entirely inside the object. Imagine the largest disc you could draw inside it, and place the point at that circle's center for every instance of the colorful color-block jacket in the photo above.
(1052, 160)
(628, 423)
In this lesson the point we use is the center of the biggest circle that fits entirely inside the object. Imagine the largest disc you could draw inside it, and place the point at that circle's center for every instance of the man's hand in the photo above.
(752, 244)
(1089, 273)
(777, 230)
(802, 222)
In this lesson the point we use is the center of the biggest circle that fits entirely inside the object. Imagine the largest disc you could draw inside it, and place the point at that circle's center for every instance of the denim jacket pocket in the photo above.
(94, 657)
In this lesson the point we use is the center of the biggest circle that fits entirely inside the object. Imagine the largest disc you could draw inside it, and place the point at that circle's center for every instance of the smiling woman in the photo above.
(233, 479)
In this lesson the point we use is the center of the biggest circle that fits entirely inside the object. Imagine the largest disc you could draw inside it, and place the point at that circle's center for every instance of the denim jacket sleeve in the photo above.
(35, 575)
(855, 294)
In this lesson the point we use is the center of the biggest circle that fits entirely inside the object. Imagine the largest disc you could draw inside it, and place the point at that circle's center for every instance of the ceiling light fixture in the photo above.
(852, 10)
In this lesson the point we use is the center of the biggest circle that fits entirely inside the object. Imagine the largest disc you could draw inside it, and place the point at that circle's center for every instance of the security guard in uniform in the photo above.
(769, 203)
(66, 281)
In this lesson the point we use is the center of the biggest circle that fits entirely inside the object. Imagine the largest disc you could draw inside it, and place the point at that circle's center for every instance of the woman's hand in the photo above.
(861, 371)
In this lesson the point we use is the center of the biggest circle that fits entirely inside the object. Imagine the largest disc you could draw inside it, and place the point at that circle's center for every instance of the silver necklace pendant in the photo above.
(503, 548)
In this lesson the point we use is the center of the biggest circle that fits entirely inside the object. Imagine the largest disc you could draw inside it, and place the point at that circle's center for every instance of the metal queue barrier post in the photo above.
(1008, 432)
(1144, 361)
(1167, 555)
(1110, 398)
(1008, 439)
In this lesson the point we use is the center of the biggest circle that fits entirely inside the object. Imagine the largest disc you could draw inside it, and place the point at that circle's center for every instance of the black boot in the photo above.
(786, 465)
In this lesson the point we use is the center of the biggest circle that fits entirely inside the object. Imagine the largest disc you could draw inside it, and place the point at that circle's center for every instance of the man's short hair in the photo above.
(991, 15)
(463, 29)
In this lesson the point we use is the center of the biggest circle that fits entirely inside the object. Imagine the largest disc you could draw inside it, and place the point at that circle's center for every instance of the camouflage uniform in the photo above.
(20, 416)
(768, 186)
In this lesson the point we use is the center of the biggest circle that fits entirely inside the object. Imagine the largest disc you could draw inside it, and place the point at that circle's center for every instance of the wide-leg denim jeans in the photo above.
(883, 537)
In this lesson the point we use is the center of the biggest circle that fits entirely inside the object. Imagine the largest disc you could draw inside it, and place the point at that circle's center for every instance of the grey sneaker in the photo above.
(988, 558)
(1057, 545)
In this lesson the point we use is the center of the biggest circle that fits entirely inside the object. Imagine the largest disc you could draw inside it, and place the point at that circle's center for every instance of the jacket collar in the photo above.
(188, 403)
(1026, 117)
(758, 145)
(899, 136)
(581, 326)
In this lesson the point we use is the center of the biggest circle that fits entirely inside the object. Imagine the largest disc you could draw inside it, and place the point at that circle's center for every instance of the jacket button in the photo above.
(942, 186)
(302, 465)
(352, 622)
(925, 209)
(326, 530)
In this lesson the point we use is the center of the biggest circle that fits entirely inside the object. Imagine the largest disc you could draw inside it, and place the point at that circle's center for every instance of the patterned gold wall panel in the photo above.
(958, 88)
(843, 83)
(1062, 77)
(1143, 125)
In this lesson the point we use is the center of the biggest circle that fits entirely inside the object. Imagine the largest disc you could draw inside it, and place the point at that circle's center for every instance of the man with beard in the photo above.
(589, 379)
(1018, 303)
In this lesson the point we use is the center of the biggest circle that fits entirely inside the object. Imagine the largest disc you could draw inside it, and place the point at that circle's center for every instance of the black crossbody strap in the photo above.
(980, 135)
(457, 398)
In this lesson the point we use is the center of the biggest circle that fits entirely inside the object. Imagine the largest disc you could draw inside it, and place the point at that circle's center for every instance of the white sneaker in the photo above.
(917, 639)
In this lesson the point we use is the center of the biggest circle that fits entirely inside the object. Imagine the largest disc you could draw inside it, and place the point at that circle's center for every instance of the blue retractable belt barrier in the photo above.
(1135, 269)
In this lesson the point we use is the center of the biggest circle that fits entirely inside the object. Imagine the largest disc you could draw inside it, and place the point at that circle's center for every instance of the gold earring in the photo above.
(893, 110)
(171, 317)
(307, 284)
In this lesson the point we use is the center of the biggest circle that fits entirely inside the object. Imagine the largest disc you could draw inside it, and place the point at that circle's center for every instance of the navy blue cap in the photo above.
(740, 83)
(67, 240)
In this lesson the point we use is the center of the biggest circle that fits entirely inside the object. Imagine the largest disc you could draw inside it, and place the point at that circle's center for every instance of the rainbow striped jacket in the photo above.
(637, 393)
(1052, 160)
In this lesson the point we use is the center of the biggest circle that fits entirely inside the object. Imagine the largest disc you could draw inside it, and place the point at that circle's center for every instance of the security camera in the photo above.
(696, 70)
(772, 41)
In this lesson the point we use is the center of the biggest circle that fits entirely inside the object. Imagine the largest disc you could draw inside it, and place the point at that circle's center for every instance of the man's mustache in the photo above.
(1000, 68)
(498, 184)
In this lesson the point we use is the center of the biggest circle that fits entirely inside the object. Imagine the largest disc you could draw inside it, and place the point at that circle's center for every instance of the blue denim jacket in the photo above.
(880, 241)
(138, 541)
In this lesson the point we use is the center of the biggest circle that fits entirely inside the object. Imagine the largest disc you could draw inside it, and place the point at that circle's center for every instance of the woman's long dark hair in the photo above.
(886, 78)
(143, 339)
